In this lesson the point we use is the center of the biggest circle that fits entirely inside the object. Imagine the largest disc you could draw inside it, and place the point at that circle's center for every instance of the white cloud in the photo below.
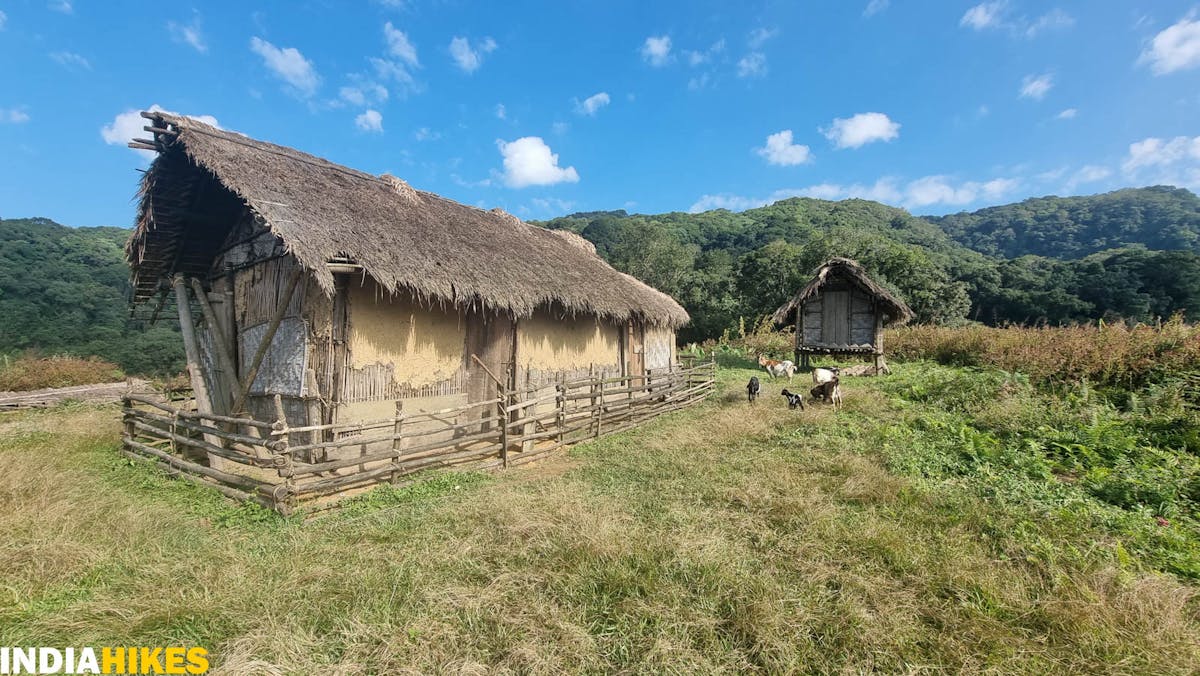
(128, 125)
(3, 20)
(560, 128)
(1177, 47)
(399, 45)
(1068, 114)
(552, 205)
(71, 60)
(387, 69)
(469, 58)
(923, 192)
(984, 15)
(426, 134)
(876, 6)
(363, 92)
(759, 36)
(289, 65)
(370, 120)
(657, 50)
(591, 104)
(188, 34)
(753, 64)
(61, 6)
(699, 81)
(781, 151)
(1175, 161)
(529, 161)
(861, 129)
(501, 111)
(696, 58)
(1036, 86)
(1087, 174)
(13, 116)
(1054, 19)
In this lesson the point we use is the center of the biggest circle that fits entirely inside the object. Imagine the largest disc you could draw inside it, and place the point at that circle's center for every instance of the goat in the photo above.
(794, 400)
(824, 375)
(829, 391)
(776, 368)
(752, 389)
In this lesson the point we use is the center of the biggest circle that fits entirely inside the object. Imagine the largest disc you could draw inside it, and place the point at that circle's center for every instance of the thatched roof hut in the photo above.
(405, 239)
(841, 310)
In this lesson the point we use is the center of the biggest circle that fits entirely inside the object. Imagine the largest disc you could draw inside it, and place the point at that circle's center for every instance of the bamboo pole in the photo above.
(261, 353)
(219, 340)
(191, 351)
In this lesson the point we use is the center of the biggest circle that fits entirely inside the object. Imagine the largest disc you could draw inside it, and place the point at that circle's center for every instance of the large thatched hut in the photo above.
(345, 292)
(841, 311)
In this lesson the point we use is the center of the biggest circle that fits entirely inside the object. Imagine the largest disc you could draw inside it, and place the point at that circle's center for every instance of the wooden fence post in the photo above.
(501, 398)
(560, 403)
(600, 409)
(283, 506)
(397, 444)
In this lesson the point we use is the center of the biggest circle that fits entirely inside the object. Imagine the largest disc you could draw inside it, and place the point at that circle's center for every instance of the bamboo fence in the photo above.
(253, 460)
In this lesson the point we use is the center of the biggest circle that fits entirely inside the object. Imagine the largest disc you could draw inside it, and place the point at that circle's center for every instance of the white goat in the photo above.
(777, 368)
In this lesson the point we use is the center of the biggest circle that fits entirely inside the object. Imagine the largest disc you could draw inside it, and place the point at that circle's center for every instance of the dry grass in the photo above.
(35, 373)
(1110, 354)
(726, 538)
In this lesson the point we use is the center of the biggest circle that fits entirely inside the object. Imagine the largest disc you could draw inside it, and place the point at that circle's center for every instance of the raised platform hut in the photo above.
(842, 311)
(343, 328)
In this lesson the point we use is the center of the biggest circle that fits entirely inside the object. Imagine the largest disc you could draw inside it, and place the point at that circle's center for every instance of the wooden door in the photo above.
(835, 318)
(635, 340)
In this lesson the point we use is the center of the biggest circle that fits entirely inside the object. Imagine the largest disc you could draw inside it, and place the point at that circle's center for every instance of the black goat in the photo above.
(752, 389)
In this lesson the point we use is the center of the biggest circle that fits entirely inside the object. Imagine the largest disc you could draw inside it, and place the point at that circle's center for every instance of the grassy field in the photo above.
(947, 519)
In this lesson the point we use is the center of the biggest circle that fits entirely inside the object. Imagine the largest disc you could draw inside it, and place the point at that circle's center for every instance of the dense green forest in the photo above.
(725, 266)
(66, 290)
(1131, 254)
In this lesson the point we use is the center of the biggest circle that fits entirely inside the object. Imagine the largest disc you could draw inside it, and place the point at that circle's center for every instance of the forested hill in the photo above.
(1140, 260)
(66, 290)
(1158, 218)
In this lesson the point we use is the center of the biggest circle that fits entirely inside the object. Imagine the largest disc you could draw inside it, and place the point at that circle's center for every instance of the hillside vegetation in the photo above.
(66, 290)
(959, 519)
(1159, 217)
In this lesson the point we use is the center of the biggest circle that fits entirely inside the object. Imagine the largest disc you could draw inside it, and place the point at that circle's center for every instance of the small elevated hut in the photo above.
(374, 329)
(842, 311)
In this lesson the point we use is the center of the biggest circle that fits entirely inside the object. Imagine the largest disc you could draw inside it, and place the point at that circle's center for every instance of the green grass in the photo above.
(948, 519)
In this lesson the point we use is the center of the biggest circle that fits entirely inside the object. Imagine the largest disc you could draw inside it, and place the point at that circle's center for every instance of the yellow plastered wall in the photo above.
(423, 345)
(549, 343)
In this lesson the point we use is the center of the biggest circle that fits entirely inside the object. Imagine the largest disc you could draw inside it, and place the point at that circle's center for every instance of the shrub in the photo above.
(35, 373)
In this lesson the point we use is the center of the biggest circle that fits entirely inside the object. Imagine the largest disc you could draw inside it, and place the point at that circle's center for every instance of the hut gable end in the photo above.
(864, 300)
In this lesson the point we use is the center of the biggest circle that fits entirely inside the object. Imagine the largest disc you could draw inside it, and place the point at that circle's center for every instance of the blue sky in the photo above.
(548, 108)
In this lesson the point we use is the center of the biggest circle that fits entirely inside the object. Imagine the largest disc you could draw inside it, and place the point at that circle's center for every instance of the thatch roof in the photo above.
(895, 310)
(406, 239)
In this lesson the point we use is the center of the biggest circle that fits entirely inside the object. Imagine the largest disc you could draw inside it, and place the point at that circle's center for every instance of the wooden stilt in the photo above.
(191, 351)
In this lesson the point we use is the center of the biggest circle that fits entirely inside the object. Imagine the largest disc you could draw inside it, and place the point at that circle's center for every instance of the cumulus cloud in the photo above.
(370, 120)
(362, 92)
(1177, 47)
(399, 46)
(61, 6)
(753, 64)
(591, 104)
(1174, 161)
(876, 6)
(501, 112)
(13, 116)
(697, 58)
(759, 36)
(71, 60)
(128, 125)
(923, 192)
(529, 161)
(1036, 86)
(1068, 114)
(861, 129)
(656, 50)
(469, 58)
(781, 151)
(984, 15)
(289, 65)
(188, 34)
